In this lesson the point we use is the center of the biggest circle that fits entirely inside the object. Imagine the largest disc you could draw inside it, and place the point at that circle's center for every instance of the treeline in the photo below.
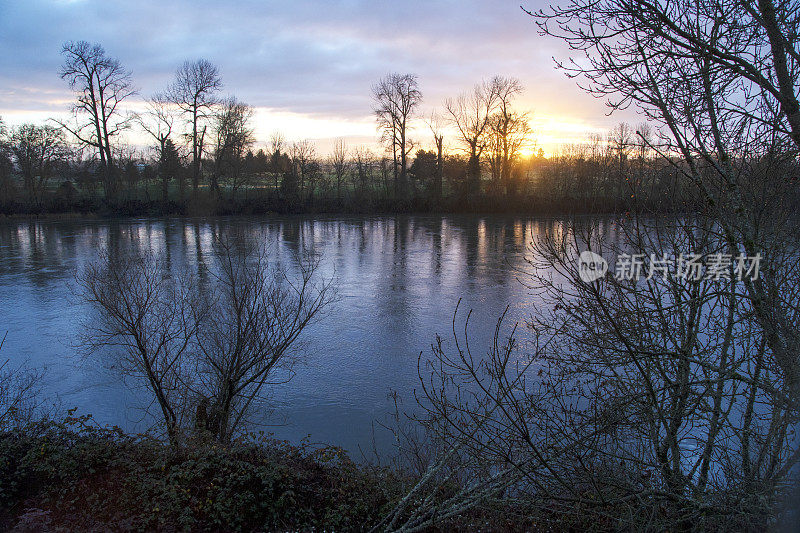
(203, 157)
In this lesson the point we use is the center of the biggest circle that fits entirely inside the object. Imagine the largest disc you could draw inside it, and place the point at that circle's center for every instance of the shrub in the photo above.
(78, 477)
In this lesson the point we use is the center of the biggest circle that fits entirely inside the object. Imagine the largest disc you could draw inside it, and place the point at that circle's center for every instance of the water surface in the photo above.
(399, 280)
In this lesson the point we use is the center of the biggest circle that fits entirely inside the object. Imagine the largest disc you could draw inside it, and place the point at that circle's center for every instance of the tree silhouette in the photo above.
(194, 91)
(101, 85)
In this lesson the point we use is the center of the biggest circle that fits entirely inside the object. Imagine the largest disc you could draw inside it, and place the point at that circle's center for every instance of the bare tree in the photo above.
(302, 155)
(205, 350)
(620, 140)
(38, 151)
(151, 317)
(396, 98)
(340, 164)
(471, 113)
(158, 122)
(387, 168)
(643, 140)
(363, 161)
(277, 142)
(6, 166)
(277, 157)
(101, 85)
(655, 402)
(509, 132)
(257, 315)
(19, 391)
(233, 136)
(721, 78)
(194, 91)
(436, 125)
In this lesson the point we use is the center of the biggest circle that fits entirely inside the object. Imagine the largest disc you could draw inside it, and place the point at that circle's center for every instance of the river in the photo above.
(398, 281)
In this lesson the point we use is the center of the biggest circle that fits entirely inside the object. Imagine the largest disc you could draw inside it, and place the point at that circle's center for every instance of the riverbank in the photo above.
(70, 476)
(208, 205)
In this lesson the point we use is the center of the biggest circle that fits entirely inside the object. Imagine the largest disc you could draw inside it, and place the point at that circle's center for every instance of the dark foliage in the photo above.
(80, 478)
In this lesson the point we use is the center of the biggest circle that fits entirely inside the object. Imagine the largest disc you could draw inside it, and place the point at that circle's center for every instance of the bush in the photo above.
(83, 478)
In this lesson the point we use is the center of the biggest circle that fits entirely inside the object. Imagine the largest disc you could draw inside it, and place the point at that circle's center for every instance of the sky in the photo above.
(305, 66)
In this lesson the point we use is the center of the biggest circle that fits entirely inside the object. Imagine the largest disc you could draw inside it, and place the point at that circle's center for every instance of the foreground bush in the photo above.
(72, 477)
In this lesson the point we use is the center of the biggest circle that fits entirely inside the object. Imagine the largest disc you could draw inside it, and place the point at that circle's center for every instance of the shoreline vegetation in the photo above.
(79, 477)
(269, 206)
(72, 475)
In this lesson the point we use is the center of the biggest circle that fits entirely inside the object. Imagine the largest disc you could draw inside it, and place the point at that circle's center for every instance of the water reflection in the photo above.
(399, 279)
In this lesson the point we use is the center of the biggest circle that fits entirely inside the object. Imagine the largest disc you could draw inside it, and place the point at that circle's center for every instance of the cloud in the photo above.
(310, 59)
